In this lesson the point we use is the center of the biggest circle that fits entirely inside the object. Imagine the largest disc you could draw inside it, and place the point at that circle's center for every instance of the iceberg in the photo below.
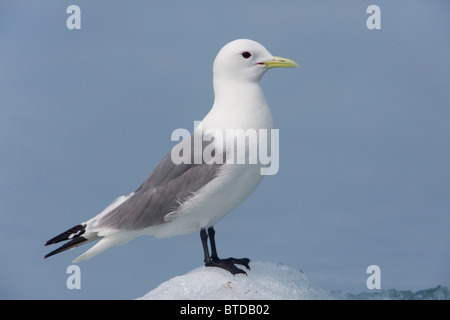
(269, 281)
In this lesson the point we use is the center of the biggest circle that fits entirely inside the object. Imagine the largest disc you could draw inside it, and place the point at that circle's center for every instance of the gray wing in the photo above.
(161, 193)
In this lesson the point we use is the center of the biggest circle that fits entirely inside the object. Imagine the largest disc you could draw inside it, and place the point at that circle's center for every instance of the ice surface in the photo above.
(268, 280)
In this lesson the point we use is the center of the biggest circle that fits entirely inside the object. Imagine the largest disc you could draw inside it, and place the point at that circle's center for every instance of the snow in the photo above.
(268, 281)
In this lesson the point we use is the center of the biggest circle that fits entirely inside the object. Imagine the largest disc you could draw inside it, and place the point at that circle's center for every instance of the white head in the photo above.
(246, 60)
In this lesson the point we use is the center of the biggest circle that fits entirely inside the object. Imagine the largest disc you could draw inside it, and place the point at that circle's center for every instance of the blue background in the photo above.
(85, 115)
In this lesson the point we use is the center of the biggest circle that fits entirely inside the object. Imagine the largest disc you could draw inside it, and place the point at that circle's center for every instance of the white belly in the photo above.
(212, 202)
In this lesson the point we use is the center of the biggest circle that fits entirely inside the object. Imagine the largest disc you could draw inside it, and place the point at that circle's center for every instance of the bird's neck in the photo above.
(226, 91)
(240, 105)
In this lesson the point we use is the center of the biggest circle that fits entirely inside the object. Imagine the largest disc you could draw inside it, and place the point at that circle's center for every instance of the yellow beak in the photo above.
(280, 62)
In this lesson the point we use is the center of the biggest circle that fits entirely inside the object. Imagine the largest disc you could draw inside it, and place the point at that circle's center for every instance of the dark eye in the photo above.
(246, 54)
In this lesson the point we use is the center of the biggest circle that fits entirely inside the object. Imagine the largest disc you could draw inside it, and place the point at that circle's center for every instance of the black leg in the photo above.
(214, 261)
(204, 237)
(212, 241)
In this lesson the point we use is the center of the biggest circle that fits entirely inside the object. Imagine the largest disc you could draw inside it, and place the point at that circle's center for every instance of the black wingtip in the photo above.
(74, 232)
(69, 245)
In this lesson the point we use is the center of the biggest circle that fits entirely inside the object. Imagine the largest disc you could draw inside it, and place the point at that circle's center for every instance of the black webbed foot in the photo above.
(214, 261)
(229, 264)
(243, 261)
(225, 264)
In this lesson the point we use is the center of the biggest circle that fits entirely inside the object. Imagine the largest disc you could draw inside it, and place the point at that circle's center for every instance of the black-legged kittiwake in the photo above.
(190, 193)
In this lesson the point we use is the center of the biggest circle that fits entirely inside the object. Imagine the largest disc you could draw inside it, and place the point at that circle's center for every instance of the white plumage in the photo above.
(208, 191)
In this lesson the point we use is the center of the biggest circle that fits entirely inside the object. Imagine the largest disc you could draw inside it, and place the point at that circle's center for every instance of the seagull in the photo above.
(181, 197)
